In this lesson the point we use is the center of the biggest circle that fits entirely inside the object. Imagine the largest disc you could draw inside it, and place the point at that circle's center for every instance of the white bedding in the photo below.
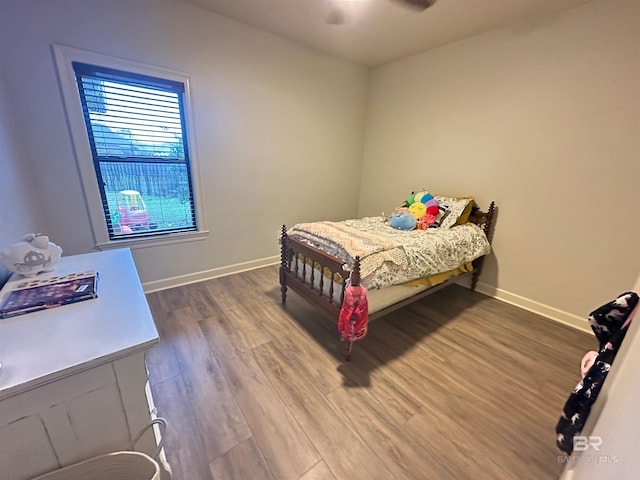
(399, 256)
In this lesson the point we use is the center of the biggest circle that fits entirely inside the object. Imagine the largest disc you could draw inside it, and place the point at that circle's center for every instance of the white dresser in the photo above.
(73, 381)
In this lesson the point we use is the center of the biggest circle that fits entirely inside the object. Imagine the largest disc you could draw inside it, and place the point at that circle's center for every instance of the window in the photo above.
(130, 125)
(137, 140)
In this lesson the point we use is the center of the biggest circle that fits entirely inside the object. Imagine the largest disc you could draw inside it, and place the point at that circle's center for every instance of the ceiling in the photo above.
(374, 32)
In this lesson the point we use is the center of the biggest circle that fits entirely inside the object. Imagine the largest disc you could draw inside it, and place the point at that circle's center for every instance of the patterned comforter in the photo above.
(392, 257)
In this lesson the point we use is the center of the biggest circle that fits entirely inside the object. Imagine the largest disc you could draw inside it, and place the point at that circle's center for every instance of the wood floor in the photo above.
(456, 386)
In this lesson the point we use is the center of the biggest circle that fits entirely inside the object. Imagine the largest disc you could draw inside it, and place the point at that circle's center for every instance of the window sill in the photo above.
(136, 243)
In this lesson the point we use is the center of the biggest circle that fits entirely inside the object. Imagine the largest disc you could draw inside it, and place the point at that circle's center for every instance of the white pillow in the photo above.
(451, 209)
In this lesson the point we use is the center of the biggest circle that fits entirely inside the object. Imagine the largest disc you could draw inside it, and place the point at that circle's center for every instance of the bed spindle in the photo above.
(304, 270)
(313, 271)
(486, 228)
(354, 278)
(489, 220)
(284, 264)
(355, 273)
(331, 282)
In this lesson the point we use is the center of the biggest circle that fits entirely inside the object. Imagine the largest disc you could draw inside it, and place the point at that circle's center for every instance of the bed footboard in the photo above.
(317, 277)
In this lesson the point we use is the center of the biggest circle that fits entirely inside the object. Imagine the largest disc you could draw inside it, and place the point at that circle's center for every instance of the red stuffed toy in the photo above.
(353, 321)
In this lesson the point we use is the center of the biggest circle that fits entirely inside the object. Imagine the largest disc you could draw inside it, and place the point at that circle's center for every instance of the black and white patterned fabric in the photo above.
(450, 210)
(609, 323)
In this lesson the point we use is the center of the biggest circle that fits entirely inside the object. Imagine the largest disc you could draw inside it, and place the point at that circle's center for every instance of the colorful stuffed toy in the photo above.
(420, 210)
(417, 209)
(403, 221)
(425, 221)
(424, 207)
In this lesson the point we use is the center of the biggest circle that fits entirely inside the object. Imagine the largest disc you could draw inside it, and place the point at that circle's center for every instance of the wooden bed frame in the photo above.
(291, 248)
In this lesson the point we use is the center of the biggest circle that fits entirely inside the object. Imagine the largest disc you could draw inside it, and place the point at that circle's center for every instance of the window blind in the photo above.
(137, 134)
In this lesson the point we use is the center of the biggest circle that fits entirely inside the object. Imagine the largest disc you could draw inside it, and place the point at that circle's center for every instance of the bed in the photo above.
(318, 260)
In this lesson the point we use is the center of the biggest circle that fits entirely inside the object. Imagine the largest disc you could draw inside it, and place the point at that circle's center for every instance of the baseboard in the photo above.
(552, 313)
(180, 280)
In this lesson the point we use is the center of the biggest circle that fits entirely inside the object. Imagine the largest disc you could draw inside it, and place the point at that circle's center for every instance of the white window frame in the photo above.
(64, 58)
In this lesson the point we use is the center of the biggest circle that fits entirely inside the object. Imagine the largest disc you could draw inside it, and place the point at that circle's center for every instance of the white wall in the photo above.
(19, 212)
(269, 115)
(542, 117)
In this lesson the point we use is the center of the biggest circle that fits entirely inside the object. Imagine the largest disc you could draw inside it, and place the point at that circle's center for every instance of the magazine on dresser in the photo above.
(34, 294)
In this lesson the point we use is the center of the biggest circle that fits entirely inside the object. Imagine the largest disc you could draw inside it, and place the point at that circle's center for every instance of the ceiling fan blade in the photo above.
(418, 5)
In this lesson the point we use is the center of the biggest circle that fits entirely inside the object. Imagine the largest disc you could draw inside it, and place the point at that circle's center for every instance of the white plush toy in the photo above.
(33, 255)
